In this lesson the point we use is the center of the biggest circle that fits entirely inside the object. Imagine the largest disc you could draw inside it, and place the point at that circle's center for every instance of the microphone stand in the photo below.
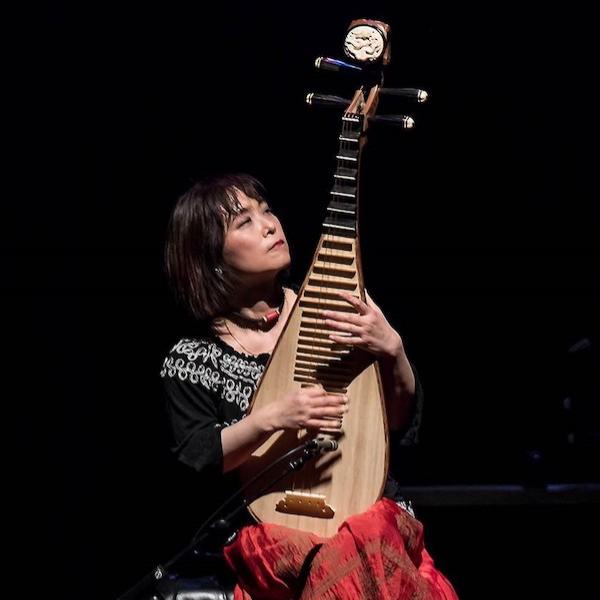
(305, 452)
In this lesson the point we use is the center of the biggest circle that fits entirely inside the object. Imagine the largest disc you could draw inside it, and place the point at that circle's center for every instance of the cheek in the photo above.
(238, 251)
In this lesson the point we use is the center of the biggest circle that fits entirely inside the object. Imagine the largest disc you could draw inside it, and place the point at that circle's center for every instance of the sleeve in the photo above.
(193, 419)
(410, 435)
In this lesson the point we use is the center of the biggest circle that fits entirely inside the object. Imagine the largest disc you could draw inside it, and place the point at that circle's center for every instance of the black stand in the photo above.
(145, 588)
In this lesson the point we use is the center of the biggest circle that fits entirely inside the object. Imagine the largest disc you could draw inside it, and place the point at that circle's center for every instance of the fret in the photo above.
(324, 349)
(332, 283)
(327, 372)
(339, 245)
(341, 210)
(340, 204)
(342, 194)
(311, 345)
(314, 363)
(352, 157)
(314, 332)
(331, 269)
(327, 304)
(331, 257)
(340, 222)
(332, 359)
(317, 321)
(329, 387)
(322, 294)
(341, 230)
(323, 374)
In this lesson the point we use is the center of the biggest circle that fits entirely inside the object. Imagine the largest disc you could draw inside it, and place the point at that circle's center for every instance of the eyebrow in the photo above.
(244, 210)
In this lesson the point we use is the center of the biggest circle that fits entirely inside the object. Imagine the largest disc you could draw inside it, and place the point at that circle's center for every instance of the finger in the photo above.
(329, 400)
(348, 340)
(313, 390)
(339, 399)
(325, 424)
(341, 317)
(343, 326)
(360, 306)
(334, 412)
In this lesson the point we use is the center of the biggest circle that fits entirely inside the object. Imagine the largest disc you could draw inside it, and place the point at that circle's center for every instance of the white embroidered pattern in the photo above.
(228, 423)
(205, 362)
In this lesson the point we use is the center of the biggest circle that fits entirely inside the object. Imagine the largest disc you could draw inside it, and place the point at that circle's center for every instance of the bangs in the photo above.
(230, 205)
(228, 201)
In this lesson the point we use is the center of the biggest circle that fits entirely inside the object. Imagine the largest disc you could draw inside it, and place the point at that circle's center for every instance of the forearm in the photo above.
(242, 438)
(399, 385)
(303, 408)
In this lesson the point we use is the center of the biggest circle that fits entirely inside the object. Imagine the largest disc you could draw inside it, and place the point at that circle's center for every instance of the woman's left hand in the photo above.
(369, 329)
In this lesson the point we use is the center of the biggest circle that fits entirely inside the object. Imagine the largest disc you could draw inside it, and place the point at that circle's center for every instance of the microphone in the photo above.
(324, 445)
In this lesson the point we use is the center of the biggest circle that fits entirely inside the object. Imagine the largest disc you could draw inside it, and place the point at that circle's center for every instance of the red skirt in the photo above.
(377, 555)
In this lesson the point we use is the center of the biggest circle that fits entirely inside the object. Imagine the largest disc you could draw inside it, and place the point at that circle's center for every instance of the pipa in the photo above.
(326, 491)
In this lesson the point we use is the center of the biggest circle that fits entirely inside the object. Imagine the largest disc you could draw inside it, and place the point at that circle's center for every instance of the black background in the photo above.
(479, 236)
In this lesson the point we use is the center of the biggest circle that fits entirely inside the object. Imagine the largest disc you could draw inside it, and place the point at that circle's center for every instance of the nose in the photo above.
(270, 226)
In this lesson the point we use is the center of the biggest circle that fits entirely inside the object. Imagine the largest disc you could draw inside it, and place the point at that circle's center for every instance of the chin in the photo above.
(283, 261)
(287, 261)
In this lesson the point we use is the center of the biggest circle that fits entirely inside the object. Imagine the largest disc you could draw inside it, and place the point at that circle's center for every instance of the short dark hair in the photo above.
(194, 265)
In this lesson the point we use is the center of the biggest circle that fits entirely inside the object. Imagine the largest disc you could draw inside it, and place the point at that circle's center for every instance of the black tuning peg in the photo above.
(333, 64)
(402, 121)
(326, 100)
(410, 93)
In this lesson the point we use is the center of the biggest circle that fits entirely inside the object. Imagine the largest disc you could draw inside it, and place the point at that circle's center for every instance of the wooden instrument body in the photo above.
(352, 477)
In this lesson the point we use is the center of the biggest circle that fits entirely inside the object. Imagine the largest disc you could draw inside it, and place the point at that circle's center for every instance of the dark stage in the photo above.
(479, 234)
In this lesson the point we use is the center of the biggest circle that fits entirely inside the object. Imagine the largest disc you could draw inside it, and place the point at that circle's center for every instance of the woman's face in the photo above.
(255, 244)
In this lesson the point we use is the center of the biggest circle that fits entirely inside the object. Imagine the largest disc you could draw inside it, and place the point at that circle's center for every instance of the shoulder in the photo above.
(188, 353)
(209, 360)
(193, 348)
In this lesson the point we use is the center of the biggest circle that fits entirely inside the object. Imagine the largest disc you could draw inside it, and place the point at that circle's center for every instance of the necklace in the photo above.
(238, 341)
(269, 318)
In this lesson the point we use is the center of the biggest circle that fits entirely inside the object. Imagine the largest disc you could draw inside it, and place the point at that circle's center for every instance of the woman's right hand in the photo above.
(306, 408)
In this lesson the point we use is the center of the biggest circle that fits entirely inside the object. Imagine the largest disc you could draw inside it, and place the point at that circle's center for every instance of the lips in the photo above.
(277, 244)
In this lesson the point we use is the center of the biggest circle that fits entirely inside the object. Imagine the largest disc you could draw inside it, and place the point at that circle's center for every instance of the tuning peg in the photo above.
(326, 100)
(402, 121)
(333, 64)
(410, 93)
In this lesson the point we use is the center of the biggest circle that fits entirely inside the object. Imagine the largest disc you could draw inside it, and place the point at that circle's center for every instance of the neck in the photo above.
(253, 302)
(256, 307)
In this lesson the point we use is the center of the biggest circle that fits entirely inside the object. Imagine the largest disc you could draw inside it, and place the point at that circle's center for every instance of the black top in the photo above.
(208, 386)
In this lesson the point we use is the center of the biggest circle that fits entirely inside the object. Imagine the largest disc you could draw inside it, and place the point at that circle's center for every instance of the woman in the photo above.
(226, 254)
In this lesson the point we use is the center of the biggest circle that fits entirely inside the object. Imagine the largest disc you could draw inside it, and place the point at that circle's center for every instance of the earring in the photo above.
(218, 271)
